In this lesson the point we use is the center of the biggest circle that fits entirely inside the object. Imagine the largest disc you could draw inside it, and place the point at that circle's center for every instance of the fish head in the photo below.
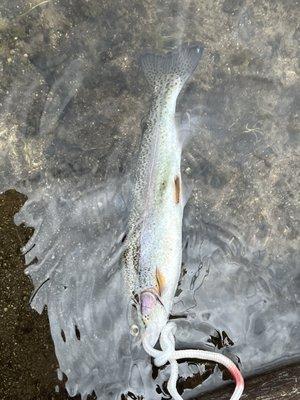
(154, 315)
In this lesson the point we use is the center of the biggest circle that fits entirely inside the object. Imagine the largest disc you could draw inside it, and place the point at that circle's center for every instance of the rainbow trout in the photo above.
(154, 241)
(152, 259)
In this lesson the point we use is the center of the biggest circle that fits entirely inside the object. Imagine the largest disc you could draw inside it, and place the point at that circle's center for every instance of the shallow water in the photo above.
(73, 98)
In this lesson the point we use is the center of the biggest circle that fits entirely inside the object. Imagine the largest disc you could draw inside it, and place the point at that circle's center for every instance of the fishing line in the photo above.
(169, 354)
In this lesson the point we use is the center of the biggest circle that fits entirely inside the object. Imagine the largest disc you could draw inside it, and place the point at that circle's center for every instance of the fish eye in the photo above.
(134, 330)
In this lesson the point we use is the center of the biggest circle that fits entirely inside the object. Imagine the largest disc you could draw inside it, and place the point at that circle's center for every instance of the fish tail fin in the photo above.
(176, 66)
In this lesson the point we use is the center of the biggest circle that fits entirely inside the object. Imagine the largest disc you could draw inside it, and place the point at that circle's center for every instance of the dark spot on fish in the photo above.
(124, 238)
(177, 189)
(162, 187)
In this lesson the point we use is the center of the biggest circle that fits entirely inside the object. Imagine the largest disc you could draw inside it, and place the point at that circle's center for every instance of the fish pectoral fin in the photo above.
(161, 281)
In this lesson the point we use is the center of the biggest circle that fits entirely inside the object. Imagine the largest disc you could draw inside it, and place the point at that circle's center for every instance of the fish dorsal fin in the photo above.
(179, 64)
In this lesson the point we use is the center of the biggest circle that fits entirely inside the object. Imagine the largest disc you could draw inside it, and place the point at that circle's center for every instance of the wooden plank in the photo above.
(281, 384)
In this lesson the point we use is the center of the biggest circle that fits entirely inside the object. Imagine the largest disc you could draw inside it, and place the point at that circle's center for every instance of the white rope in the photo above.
(169, 354)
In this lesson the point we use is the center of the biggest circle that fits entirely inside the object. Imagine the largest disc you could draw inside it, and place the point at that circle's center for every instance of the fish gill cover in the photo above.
(72, 101)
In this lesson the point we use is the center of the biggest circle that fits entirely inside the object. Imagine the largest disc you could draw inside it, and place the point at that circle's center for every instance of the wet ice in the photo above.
(77, 274)
(70, 129)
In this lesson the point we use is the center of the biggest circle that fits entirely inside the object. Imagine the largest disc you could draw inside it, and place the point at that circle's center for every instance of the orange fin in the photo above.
(161, 281)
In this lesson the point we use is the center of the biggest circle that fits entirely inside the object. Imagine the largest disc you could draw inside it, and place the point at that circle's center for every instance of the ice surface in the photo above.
(70, 131)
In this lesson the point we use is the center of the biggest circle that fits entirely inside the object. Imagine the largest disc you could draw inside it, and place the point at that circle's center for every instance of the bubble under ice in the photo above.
(70, 126)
